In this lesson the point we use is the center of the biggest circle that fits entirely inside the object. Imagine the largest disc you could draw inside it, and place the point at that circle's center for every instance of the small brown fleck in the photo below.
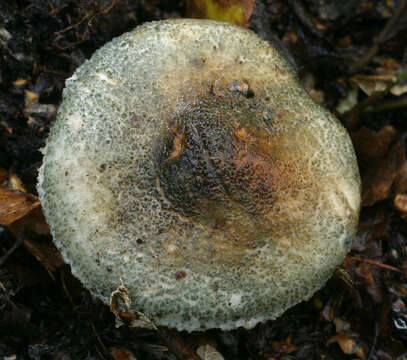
(242, 135)
(103, 166)
(180, 274)
(178, 146)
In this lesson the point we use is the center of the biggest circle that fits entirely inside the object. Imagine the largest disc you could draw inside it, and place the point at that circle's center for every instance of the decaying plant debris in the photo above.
(352, 57)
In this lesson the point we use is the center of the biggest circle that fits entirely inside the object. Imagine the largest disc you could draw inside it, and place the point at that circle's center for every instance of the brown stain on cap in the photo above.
(218, 168)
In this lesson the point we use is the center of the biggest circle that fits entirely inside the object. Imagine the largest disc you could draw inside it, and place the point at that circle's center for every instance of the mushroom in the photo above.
(187, 161)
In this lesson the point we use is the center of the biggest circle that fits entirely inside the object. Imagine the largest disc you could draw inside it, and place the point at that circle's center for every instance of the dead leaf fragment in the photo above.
(380, 82)
(31, 95)
(372, 279)
(19, 82)
(208, 352)
(15, 183)
(371, 145)
(283, 347)
(371, 84)
(346, 339)
(400, 203)
(46, 253)
(14, 205)
(370, 233)
(120, 353)
(382, 176)
(348, 345)
(331, 307)
(33, 221)
(236, 12)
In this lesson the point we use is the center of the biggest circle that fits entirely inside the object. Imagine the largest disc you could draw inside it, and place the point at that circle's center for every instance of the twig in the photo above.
(6, 297)
(68, 294)
(374, 342)
(389, 105)
(110, 7)
(353, 116)
(383, 36)
(92, 325)
(100, 354)
(19, 241)
(88, 15)
(303, 15)
(175, 344)
(375, 263)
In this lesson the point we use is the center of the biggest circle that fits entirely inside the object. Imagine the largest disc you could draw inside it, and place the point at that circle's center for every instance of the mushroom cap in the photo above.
(187, 161)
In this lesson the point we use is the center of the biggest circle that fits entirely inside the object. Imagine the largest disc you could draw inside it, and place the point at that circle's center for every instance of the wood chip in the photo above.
(14, 205)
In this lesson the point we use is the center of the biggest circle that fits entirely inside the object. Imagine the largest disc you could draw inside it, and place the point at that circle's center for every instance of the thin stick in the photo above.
(19, 241)
(383, 36)
(389, 105)
(353, 116)
(375, 263)
(173, 341)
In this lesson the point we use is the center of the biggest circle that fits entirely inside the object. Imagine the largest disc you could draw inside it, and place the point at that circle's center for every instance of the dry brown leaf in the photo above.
(371, 84)
(382, 164)
(15, 183)
(208, 352)
(6, 126)
(120, 353)
(14, 205)
(370, 232)
(331, 307)
(371, 145)
(348, 343)
(237, 12)
(283, 347)
(372, 279)
(19, 82)
(33, 221)
(31, 95)
(46, 253)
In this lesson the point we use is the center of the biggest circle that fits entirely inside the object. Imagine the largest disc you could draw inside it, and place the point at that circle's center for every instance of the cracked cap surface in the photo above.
(187, 161)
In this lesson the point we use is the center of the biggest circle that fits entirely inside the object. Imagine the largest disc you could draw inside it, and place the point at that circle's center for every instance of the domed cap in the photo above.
(187, 161)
